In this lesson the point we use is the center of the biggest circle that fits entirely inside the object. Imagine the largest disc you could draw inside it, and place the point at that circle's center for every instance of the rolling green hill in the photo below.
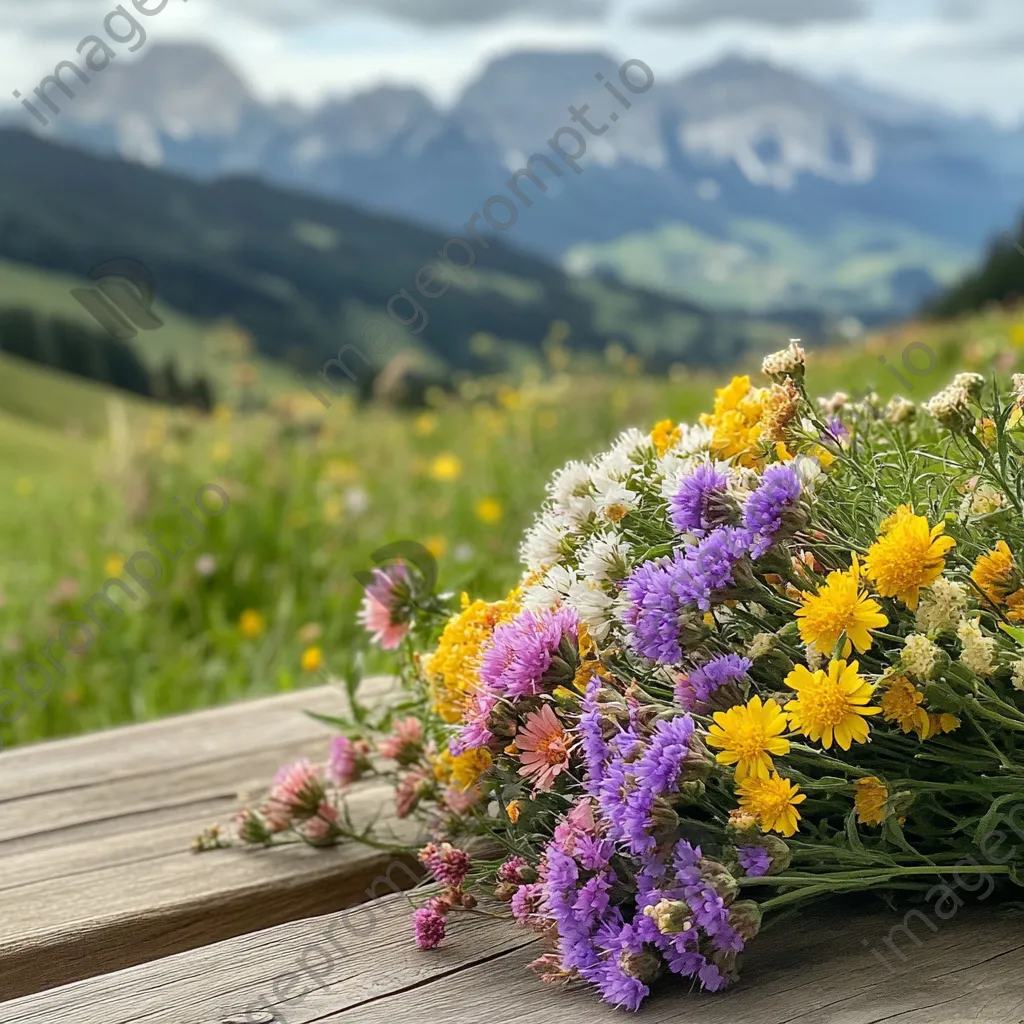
(302, 275)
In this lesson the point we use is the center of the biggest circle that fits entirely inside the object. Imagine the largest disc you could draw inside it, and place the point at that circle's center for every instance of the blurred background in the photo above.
(202, 203)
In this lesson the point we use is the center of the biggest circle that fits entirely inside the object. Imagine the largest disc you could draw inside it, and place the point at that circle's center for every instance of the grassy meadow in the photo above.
(263, 599)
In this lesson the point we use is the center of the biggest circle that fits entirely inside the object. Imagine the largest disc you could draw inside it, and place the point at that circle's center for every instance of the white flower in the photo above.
(606, 557)
(695, 439)
(357, 500)
(761, 645)
(951, 407)
(614, 499)
(941, 607)
(815, 659)
(571, 491)
(551, 590)
(978, 649)
(1018, 673)
(972, 383)
(542, 544)
(787, 362)
(919, 655)
(807, 469)
(594, 607)
(633, 443)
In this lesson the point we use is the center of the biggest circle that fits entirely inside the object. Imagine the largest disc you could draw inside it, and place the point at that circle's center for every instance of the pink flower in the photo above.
(405, 743)
(509, 871)
(320, 829)
(461, 800)
(429, 925)
(410, 791)
(297, 792)
(528, 906)
(577, 823)
(384, 609)
(544, 747)
(347, 760)
(446, 863)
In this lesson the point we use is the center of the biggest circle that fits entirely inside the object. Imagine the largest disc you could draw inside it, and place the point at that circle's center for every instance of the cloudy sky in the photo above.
(965, 55)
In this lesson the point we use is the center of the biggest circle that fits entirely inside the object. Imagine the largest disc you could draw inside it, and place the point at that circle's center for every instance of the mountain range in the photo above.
(741, 183)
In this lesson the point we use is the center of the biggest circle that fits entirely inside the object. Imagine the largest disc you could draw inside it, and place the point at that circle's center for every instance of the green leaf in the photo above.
(1014, 631)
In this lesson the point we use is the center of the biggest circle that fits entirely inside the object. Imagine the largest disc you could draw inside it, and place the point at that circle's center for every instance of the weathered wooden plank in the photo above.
(95, 871)
(360, 966)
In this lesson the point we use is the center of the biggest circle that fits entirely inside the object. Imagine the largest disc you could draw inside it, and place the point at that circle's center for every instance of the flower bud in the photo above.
(745, 917)
(720, 879)
(779, 852)
(644, 966)
(672, 917)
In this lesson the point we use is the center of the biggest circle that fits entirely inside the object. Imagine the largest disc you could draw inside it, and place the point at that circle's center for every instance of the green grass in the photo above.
(313, 492)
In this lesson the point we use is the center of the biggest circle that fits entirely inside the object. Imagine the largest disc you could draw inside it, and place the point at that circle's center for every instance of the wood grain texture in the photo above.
(361, 967)
(95, 869)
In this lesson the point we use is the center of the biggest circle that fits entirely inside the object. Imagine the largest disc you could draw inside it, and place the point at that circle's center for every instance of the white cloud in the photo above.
(782, 13)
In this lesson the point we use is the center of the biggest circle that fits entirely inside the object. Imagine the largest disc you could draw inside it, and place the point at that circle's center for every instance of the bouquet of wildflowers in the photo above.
(752, 662)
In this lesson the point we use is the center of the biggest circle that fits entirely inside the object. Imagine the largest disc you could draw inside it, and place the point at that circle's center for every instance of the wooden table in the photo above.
(107, 919)
(95, 869)
(361, 966)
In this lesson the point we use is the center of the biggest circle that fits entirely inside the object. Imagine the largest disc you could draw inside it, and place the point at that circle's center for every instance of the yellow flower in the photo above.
(424, 424)
(452, 670)
(736, 421)
(901, 703)
(831, 705)
(773, 801)
(312, 659)
(664, 435)
(993, 573)
(468, 768)
(250, 623)
(489, 511)
(908, 556)
(869, 799)
(748, 736)
(512, 808)
(942, 723)
(840, 606)
(114, 565)
(437, 546)
(446, 467)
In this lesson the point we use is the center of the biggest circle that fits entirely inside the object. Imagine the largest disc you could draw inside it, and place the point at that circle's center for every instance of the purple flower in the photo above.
(836, 431)
(522, 651)
(767, 507)
(696, 690)
(690, 502)
(755, 860)
(528, 903)
(657, 607)
(710, 566)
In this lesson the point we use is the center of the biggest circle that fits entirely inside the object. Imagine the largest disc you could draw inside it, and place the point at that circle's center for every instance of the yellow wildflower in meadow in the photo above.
(748, 735)
(446, 467)
(465, 770)
(312, 659)
(488, 511)
(908, 555)
(773, 802)
(840, 606)
(251, 623)
(114, 565)
(831, 705)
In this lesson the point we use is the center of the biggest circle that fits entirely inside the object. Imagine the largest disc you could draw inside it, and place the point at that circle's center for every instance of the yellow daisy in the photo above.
(869, 800)
(840, 606)
(831, 705)
(312, 659)
(251, 623)
(773, 801)
(748, 735)
(907, 556)
(993, 573)
(901, 703)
